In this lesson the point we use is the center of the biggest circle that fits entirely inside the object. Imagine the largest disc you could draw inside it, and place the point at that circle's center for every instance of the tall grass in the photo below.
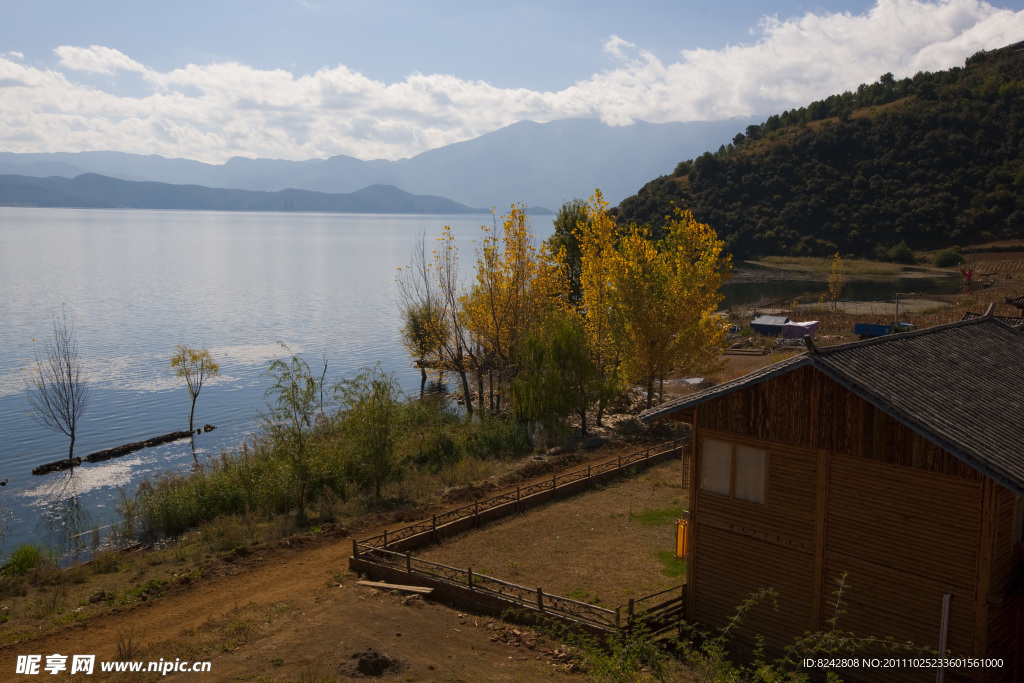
(256, 480)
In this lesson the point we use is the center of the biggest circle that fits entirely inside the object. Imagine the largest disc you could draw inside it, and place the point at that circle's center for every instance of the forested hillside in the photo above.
(932, 161)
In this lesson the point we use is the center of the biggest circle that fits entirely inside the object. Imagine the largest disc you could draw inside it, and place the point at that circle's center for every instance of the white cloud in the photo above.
(16, 54)
(97, 59)
(214, 111)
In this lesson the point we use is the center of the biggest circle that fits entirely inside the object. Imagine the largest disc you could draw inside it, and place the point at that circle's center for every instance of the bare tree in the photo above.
(56, 390)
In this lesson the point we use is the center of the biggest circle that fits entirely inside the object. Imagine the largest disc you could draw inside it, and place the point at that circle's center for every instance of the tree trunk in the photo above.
(191, 413)
(661, 390)
(650, 391)
(480, 390)
(423, 380)
(465, 392)
(71, 449)
(583, 423)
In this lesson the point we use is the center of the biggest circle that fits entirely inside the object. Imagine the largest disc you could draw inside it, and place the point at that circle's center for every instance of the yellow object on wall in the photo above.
(682, 528)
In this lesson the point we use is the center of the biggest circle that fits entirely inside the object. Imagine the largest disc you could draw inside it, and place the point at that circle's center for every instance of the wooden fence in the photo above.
(524, 497)
(385, 557)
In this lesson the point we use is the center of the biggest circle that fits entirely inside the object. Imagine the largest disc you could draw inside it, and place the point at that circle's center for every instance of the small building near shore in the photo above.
(894, 465)
(769, 325)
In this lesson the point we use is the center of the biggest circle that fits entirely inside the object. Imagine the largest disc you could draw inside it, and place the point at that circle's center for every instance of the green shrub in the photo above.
(900, 253)
(948, 258)
(24, 559)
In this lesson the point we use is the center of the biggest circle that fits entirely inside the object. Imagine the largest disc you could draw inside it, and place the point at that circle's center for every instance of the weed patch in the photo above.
(673, 567)
(659, 517)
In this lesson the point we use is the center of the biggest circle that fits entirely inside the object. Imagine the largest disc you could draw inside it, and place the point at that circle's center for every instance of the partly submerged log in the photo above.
(57, 466)
(100, 456)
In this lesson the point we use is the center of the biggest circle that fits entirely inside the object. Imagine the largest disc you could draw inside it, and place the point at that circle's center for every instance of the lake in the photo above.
(140, 282)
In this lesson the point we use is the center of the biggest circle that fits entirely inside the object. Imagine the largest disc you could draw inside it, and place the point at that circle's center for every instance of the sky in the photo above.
(300, 79)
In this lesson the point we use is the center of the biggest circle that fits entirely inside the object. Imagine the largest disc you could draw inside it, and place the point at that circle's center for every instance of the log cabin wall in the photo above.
(1003, 620)
(849, 490)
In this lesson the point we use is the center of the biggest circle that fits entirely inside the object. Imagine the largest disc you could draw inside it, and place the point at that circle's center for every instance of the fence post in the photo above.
(408, 564)
(519, 506)
(647, 458)
(554, 486)
(385, 539)
(433, 528)
(476, 513)
(618, 618)
(355, 548)
(620, 461)
(629, 623)
(540, 599)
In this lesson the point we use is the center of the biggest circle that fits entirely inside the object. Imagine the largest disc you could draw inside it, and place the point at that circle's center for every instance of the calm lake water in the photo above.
(140, 282)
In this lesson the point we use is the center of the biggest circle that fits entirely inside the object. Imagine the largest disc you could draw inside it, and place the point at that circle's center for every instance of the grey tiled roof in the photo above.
(1011, 320)
(959, 385)
(1018, 302)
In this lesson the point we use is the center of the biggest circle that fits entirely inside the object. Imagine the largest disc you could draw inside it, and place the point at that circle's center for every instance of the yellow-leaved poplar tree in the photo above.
(663, 301)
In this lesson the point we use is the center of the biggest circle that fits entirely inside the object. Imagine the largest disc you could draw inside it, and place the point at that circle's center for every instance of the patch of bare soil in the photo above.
(372, 663)
(601, 547)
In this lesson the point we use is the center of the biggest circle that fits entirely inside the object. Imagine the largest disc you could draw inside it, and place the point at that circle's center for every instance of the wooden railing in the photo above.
(513, 502)
(485, 590)
(386, 557)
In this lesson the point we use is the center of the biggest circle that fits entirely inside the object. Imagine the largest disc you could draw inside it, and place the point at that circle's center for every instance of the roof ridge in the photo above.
(924, 331)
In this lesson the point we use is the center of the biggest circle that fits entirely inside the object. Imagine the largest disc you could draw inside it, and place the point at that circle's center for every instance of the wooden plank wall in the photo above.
(743, 547)
(805, 408)
(903, 521)
(1003, 608)
(904, 538)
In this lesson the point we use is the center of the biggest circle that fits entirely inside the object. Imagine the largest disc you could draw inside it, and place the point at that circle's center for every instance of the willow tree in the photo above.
(195, 366)
(372, 421)
(558, 376)
(664, 298)
(293, 402)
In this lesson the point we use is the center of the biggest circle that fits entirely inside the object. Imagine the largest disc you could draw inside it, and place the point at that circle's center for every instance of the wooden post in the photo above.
(630, 622)
(469, 573)
(476, 513)
(385, 539)
(554, 486)
(618, 617)
(590, 483)
(540, 599)
(620, 461)
(355, 548)
(408, 564)
(519, 506)
(433, 528)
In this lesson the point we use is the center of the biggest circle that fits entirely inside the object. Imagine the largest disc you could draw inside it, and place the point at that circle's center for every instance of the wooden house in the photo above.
(897, 462)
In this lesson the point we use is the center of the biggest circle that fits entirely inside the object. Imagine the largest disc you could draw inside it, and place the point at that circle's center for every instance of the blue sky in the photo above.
(300, 79)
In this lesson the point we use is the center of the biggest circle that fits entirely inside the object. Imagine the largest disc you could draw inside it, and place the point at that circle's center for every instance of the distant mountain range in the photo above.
(91, 190)
(540, 164)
